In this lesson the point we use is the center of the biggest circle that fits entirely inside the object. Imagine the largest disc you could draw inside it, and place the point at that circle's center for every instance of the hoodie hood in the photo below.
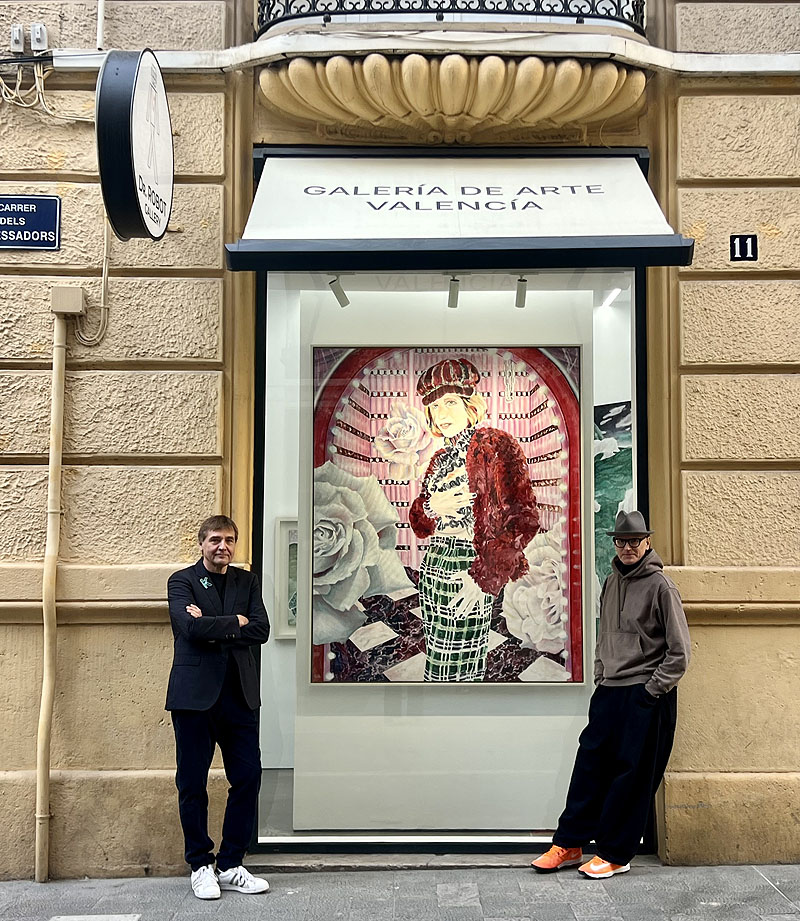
(650, 563)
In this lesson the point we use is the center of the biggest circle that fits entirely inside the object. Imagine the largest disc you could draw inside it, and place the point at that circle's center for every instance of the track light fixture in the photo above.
(522, 292)
(338, 291)
(452, 293)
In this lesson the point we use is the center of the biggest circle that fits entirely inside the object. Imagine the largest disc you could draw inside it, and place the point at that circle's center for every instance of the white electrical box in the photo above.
(38, 36)
(17, 38)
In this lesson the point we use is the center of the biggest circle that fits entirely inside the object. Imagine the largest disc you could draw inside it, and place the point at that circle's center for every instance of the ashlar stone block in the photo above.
(194, 238)
(751, 674)
(164, 319)
(741, 416)
(185, 25)
(726, 818)
(738, 28)
(710, 216)
(738, 137)
(109, 714)
(114, 412)
(81, 226)
(104, 823)
(727, 322)
(33, 142)
(136, 514)
(23, 505)
(112, 514)
(122, 823)
(731, 518)
(20, 693)
(17, 805)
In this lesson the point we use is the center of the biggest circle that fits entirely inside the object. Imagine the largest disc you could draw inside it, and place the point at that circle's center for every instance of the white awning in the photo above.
(335, 213)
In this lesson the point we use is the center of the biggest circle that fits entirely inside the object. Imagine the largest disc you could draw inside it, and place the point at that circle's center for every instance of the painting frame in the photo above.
(284, 626)
(336, 382)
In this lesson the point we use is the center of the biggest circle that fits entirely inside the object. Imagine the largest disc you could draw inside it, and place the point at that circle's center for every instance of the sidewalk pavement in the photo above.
(650, 892)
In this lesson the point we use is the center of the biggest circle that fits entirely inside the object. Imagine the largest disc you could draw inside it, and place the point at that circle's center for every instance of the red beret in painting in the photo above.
(453, 375)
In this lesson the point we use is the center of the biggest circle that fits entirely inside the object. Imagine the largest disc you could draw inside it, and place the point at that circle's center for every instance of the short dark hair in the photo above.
(217, 523)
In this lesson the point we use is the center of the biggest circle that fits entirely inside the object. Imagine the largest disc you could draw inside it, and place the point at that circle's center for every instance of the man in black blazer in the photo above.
(217, 618)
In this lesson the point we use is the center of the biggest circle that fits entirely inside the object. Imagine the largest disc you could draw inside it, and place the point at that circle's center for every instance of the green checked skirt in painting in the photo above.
(455, 647)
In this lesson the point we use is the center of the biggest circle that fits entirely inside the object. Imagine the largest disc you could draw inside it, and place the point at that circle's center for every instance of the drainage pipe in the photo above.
(42, 838)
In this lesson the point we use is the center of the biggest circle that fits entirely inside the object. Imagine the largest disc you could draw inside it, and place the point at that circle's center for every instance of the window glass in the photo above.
(442, 459)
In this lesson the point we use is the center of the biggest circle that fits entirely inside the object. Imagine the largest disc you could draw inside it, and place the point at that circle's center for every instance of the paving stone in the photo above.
(458, 895)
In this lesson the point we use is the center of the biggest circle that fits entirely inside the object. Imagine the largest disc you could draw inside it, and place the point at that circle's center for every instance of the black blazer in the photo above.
(203, 644)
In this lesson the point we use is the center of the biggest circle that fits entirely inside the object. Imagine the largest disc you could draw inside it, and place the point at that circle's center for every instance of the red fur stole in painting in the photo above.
(506, 518)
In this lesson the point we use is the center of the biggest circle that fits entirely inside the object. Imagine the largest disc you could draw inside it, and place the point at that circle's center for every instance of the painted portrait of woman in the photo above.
(477, 510)
(446, 540)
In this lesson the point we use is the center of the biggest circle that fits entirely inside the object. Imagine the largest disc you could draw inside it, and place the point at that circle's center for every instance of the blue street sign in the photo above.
(30, 222)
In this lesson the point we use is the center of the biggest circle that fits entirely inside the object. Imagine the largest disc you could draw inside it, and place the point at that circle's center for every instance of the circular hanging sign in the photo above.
(134, 144)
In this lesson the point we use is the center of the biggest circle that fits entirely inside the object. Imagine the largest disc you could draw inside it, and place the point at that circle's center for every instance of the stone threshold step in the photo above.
(328, 862)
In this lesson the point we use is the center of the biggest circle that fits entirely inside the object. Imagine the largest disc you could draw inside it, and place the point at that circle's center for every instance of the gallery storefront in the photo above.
(520, 257)
(394, 282)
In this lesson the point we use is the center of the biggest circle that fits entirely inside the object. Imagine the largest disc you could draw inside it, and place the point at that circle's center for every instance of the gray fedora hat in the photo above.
(629, 524)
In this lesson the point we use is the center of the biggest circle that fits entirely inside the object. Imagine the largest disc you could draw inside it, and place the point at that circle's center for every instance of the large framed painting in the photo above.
(446, 539)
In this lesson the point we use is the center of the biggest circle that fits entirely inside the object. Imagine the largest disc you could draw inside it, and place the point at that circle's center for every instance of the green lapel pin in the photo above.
(205, 582)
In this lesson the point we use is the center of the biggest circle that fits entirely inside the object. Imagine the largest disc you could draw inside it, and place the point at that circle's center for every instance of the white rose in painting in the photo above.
(535, 606)
(405, 441)
(354, 555)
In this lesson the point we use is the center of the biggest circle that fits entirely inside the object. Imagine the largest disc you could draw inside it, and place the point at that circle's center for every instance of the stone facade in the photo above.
(153, 412)
(734, 361)
(146, 429)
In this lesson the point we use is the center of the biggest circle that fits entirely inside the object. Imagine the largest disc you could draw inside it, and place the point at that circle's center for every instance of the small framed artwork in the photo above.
(284, 616)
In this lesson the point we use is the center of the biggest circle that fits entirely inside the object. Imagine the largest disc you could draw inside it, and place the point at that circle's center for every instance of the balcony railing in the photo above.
(626, 12)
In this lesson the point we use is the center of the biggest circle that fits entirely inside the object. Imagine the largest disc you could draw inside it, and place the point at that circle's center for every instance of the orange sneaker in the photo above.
(556, 858)
(597, 868)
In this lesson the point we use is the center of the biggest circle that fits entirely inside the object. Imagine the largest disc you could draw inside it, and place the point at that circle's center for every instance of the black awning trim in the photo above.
(458, 254)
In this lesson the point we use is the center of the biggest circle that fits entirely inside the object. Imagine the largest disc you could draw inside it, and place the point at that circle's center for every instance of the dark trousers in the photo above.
(232, 725)
(622, 756)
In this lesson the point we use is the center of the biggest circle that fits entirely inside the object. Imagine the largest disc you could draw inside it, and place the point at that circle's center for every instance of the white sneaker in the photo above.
(242, 880)
(204, 883)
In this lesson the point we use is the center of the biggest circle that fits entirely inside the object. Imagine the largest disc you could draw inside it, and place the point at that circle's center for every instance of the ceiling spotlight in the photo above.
(452, 293)
(338, 292)
(522, 292)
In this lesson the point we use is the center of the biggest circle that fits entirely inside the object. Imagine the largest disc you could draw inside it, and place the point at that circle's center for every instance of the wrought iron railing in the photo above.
(627, 12)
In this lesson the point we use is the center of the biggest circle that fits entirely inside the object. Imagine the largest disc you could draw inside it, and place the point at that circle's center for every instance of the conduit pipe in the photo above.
(42, 838)
(101, 23)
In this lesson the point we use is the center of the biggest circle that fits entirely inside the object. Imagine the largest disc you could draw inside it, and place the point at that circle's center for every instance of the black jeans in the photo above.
(622, 755)
(232, 725)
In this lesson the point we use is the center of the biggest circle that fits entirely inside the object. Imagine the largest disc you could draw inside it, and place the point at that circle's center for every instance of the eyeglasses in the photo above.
(630, 541)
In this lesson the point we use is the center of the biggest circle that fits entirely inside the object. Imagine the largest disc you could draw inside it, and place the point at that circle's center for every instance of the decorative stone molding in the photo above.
(451, 99)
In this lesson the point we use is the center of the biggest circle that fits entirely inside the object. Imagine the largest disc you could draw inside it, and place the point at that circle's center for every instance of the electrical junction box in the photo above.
(38, 36)
(17, 38)
(67, 299)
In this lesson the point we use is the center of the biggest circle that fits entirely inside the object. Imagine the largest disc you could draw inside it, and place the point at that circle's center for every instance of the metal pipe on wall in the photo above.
(42, 836)
(101, 23)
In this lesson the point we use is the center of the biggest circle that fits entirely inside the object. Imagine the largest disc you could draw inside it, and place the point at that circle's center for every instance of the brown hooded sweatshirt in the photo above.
(643, 636)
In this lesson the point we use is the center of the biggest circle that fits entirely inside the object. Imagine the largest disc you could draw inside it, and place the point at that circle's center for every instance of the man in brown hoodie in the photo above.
(642, 652)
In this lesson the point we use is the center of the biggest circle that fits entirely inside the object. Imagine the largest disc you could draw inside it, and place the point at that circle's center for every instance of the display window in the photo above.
(438, 475)
(450, 410)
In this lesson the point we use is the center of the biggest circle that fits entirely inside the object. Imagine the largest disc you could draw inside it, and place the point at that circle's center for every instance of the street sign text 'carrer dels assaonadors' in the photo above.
(134, 144)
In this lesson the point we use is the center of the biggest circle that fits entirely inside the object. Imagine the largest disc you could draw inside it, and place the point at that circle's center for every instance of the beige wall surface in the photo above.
(147, 430)
(737, 28)
(735, 357)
